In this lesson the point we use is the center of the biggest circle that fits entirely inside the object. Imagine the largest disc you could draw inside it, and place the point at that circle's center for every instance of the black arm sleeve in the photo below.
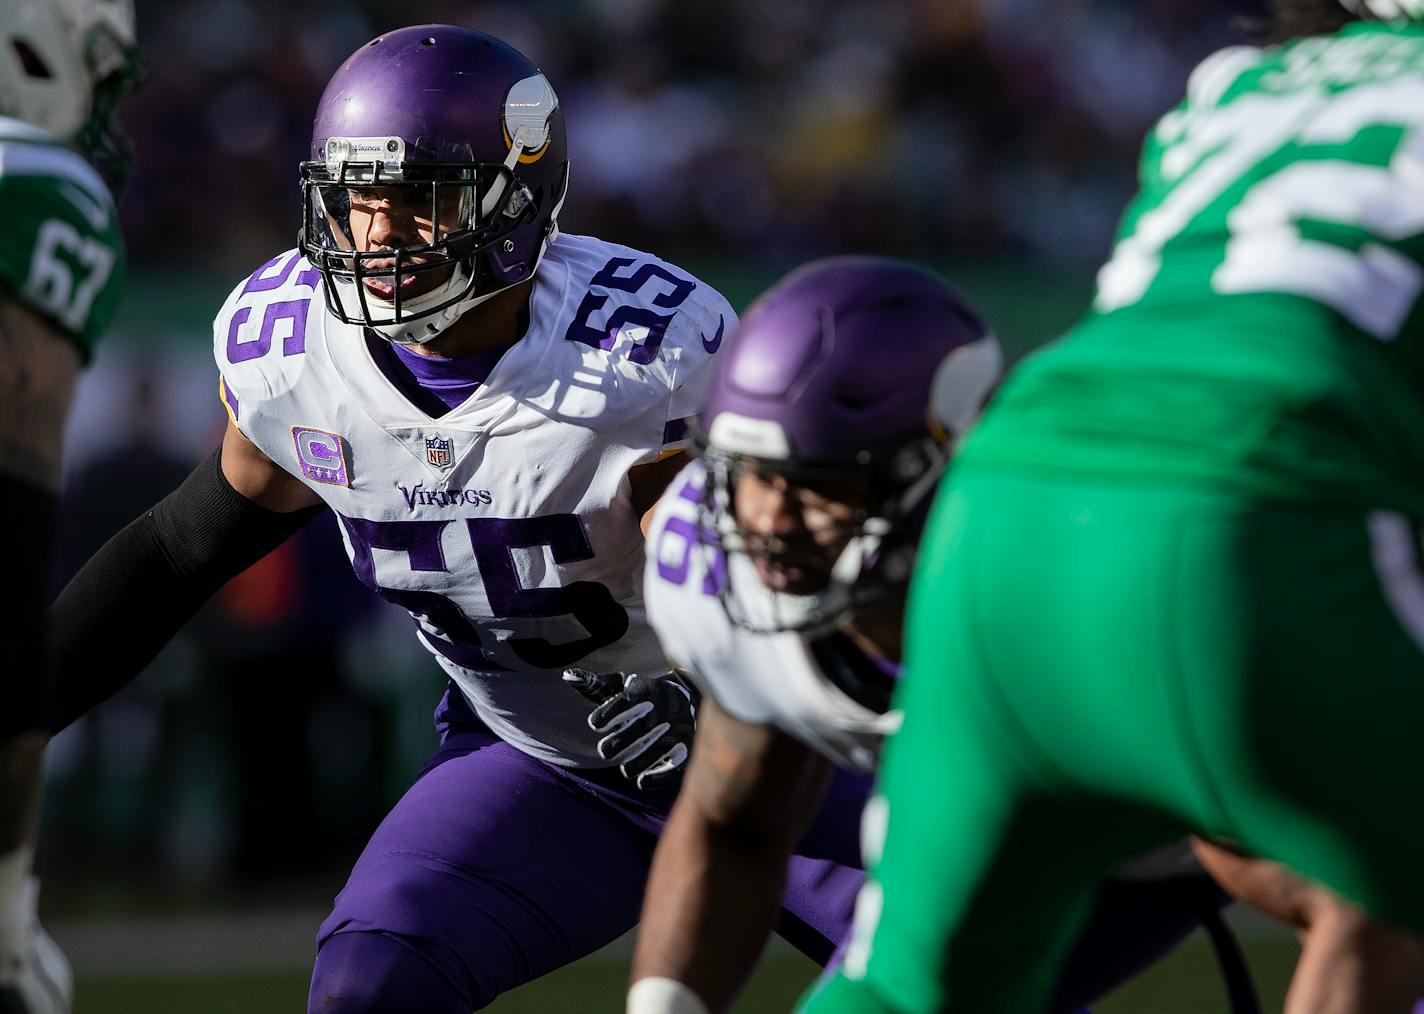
(135, 593)
(27, 511)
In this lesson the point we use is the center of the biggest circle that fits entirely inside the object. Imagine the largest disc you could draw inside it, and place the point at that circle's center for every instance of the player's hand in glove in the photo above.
(34, 975)
(644, 723)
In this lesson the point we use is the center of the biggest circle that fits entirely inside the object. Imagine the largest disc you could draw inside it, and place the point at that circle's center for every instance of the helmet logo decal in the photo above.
(528, 108)
(962, 384)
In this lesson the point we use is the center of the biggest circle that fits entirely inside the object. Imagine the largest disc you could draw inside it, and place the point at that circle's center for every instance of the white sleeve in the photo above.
(696, 337)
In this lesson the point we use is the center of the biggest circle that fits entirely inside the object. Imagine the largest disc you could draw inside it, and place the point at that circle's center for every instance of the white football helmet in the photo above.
(1387, 10)
(64, 66)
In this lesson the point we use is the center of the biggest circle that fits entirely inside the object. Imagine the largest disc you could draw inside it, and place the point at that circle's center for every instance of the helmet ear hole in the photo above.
(64, 67)
(30, 61)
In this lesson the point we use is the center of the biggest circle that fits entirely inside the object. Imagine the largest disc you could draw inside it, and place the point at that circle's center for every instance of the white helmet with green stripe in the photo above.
(64, 66)
(1387, 10)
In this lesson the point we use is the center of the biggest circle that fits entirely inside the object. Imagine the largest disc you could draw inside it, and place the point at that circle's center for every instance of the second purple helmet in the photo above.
(457, 127)
(845, 356)
(850, 368)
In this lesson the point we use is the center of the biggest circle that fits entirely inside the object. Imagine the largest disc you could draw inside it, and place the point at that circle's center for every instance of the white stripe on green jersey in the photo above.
(63, 254)
(1258, 325)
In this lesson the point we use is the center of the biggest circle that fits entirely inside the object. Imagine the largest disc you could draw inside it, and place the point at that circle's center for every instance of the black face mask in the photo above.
(101, 139)
(445, 196)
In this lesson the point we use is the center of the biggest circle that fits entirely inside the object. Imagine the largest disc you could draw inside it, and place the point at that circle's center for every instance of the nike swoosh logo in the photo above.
(716, 342)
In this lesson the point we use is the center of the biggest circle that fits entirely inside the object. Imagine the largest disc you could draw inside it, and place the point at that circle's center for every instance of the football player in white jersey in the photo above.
(488, 408)
(776, 578)
(64, 66)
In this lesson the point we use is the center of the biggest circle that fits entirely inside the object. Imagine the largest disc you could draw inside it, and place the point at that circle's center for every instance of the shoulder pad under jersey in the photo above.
(1215, 75)
(63, 256)
(650, 328)
(259, 335)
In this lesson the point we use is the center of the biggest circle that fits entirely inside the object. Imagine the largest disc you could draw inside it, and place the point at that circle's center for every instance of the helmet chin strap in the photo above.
(422, 326)
(428, 327)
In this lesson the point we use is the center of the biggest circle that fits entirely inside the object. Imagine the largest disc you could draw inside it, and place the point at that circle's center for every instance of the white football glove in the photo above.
(34, 975)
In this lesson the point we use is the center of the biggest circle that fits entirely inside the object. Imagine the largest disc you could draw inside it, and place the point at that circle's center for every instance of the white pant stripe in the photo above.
(1396, 559)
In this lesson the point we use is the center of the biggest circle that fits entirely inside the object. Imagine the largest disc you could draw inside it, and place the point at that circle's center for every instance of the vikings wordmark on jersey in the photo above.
(505, 526)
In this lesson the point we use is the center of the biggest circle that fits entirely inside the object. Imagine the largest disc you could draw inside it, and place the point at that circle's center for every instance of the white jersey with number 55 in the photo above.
(505, 526)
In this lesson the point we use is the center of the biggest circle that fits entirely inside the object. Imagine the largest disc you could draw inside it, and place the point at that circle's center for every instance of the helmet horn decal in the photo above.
(527, 111)
(962, 383)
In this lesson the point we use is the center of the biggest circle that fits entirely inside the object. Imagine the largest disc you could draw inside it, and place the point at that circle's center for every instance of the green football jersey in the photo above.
(1259, 324)
(62, 255)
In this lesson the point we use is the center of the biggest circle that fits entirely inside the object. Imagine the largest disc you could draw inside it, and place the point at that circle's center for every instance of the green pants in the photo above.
(1096, 669)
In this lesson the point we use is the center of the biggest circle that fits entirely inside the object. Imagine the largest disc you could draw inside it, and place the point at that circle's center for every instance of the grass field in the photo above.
(1186, 983)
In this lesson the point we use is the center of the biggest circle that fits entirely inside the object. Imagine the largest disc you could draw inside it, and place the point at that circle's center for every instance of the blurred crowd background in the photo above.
(745, 127)
(996, 139)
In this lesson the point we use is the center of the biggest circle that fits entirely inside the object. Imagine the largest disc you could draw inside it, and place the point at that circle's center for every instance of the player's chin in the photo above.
(385, 288)
(412, 284)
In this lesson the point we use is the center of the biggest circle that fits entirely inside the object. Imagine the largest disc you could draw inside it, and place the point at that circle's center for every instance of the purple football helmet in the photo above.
(465, 135)
(854, 372)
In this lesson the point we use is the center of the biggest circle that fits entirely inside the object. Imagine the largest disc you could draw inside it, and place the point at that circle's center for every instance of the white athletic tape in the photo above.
(14, 868)
(1396, 559)
(663, 996)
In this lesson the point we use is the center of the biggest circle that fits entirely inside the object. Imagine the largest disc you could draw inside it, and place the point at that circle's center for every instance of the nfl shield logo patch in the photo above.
(439, 451)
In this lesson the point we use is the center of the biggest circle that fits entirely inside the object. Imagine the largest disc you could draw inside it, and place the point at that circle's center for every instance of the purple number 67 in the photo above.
(690, 535)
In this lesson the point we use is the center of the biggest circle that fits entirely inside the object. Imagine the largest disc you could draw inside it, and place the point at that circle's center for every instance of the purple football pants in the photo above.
(496, 868)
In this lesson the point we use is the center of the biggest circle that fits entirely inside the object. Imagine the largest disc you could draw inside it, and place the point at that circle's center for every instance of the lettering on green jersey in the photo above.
(1305, 191)
(1335, 62)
